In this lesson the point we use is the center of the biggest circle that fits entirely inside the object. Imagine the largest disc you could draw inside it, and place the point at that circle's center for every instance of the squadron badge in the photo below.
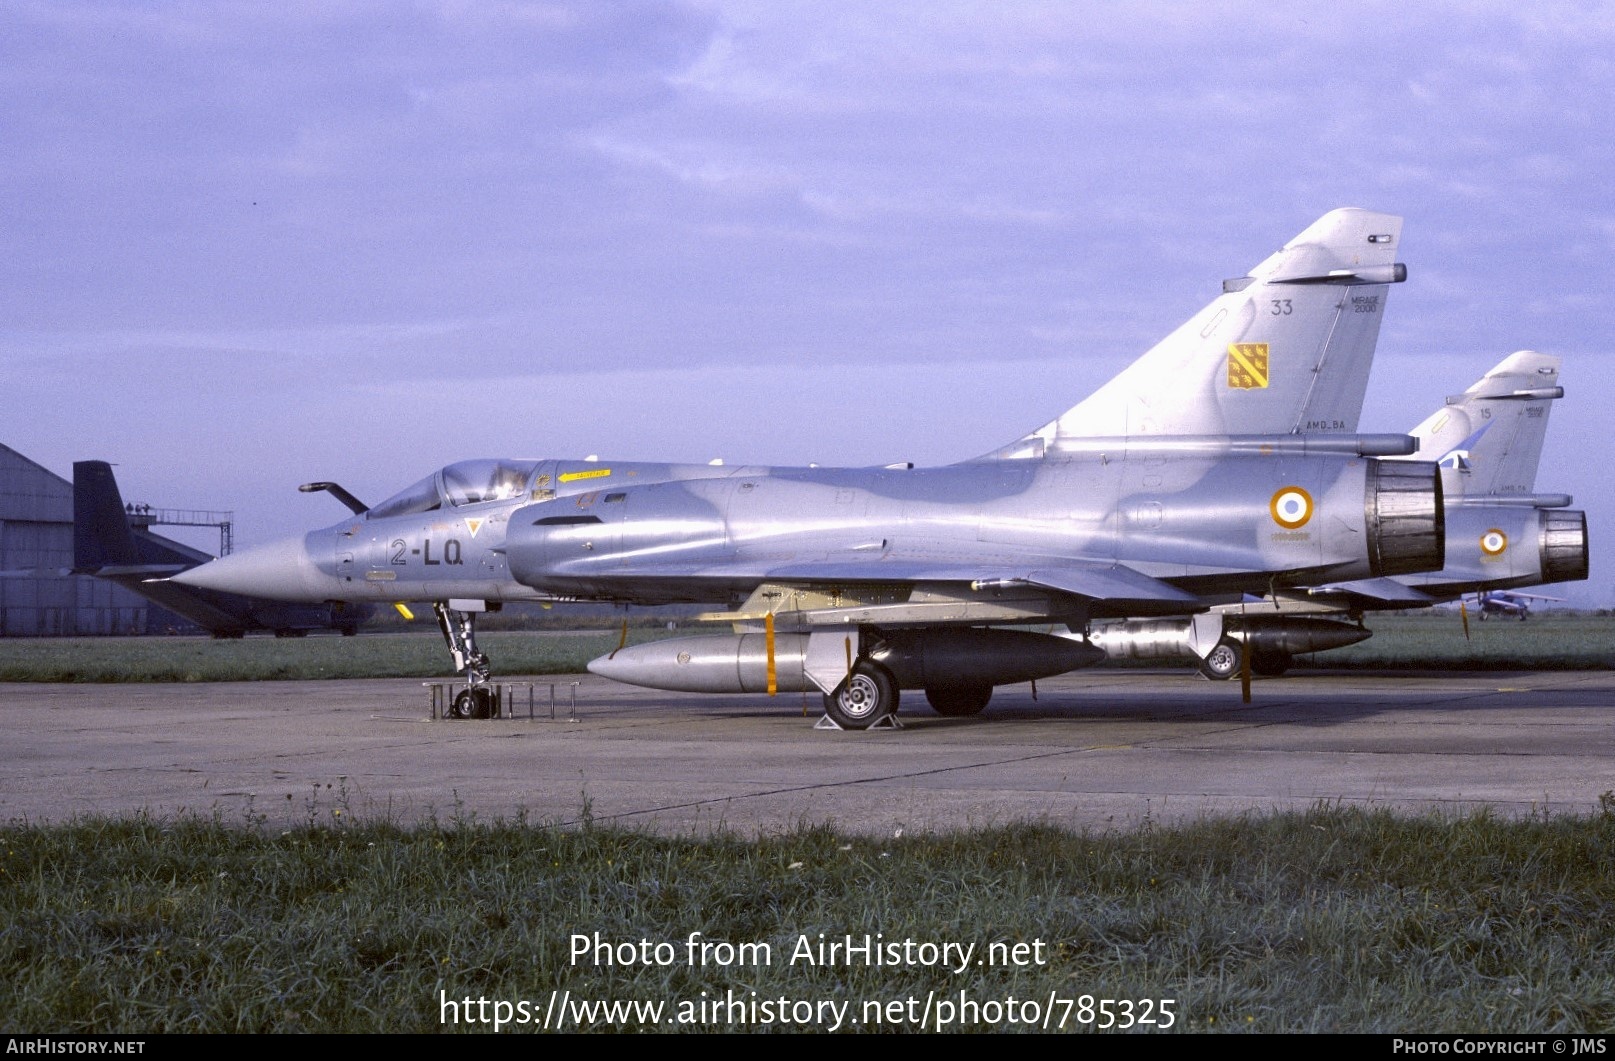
(1247, 366)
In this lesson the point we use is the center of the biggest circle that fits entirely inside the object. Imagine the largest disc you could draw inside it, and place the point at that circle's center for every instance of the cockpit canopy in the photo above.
(462, 483)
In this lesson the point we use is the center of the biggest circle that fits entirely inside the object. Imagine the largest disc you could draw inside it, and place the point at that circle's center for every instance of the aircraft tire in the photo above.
(959, 701)
(1270, 664)
(868, 695)
(472, 703)
(1223, 661)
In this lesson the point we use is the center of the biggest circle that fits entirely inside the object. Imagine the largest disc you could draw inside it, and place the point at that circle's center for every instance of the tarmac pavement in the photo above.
(1097, 749)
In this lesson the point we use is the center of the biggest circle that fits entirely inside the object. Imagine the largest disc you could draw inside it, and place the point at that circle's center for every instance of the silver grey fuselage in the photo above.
(652, 533)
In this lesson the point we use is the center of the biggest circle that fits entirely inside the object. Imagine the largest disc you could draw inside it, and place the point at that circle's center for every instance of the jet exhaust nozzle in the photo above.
(1564, 546)
(1405, 518)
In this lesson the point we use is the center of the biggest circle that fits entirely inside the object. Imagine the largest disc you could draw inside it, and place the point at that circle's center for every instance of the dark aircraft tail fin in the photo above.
(104, 539)
(101, 533)
(108, 544)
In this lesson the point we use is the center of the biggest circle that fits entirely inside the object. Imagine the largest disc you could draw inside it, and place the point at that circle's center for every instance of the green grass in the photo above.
(1400, 641)
(1552, 641)
(1331, 920)
(199, 659)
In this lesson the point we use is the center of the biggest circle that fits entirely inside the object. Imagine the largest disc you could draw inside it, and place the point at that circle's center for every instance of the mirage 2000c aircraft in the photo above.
(1222, 462)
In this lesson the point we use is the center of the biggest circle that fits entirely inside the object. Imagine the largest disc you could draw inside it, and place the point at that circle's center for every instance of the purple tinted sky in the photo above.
(249, 245)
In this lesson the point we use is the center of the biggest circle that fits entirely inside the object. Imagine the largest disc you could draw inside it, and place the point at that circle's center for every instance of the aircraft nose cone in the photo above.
(277, 571)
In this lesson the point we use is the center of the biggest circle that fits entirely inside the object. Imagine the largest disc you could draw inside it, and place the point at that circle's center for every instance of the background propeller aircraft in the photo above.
(1502, 602)
(1221, 463)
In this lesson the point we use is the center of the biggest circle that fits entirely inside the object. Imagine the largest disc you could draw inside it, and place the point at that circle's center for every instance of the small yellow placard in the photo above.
(592, 473)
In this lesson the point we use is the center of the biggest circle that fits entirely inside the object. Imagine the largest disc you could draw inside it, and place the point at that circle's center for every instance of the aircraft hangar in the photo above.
(38, 595)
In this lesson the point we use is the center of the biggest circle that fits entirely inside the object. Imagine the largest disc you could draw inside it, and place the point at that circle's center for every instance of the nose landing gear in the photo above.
(459, 628)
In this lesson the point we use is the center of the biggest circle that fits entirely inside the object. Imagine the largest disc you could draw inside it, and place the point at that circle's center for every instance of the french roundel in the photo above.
(1291, 507)
(1493, 542)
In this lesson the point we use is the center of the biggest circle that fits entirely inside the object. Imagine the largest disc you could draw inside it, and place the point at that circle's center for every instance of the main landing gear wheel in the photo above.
(1223, 661)
(1270, 664)
(472, 703)
(868, 695)
(959, 701)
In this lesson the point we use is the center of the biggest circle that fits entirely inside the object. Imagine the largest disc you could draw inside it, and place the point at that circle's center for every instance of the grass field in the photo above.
(1422, 640)
(1334, 920)
(1562, 641)
(199, 659)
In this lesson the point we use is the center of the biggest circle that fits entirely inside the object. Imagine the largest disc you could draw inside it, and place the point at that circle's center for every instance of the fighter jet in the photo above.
(1500, 535)
(1503, 534)
(1220, 463)
(107, 546)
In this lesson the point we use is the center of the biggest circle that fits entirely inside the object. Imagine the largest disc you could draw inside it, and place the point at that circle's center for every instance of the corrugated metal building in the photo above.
(37, 597)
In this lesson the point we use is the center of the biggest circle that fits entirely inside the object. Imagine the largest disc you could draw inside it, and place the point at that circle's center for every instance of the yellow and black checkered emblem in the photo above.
(1247, 366)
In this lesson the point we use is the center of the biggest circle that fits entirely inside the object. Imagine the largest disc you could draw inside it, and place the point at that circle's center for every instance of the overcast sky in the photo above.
(251, 245)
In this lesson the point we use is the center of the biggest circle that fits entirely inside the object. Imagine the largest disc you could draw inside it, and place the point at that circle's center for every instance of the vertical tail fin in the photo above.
(101, 534)
(1285, 349)
(1488, 440)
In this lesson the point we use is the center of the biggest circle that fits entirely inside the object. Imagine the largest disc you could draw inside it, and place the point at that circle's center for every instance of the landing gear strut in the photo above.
(460, 633)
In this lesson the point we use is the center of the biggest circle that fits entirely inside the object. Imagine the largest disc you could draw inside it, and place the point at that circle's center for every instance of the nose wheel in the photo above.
(472, 703)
